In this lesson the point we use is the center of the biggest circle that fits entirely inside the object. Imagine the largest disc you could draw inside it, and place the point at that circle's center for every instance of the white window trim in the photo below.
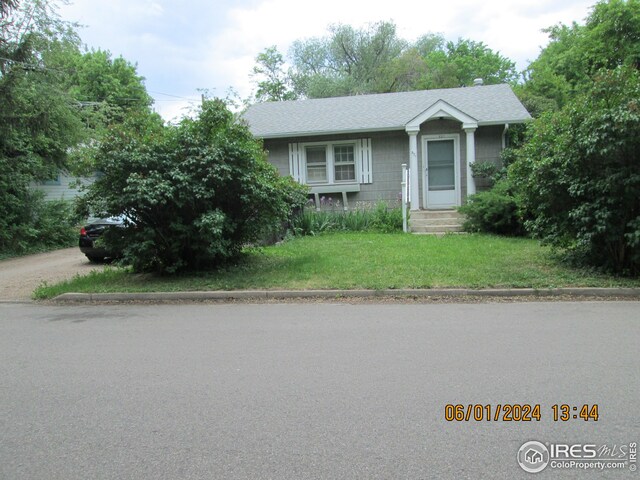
(331, 161)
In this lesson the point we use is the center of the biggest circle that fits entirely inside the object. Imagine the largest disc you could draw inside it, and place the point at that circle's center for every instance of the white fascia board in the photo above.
(319, 133)
(441, 109)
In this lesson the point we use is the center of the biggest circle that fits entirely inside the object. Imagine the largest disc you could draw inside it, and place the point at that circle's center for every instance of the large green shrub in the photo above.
(494, 211)
(579, 174)
(40, 225)
(194, 193)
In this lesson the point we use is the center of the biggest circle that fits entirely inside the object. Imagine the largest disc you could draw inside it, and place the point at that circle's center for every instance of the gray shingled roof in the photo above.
(489, 104)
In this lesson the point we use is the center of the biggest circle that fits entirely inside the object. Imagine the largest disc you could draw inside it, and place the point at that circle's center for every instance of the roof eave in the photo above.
(490, 123)
(401, 128)
(329, 132)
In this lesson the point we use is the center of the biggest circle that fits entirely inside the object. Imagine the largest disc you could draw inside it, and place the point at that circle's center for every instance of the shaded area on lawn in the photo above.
(366, 260)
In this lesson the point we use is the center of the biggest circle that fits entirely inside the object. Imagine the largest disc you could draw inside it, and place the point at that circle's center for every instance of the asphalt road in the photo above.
(306, 391)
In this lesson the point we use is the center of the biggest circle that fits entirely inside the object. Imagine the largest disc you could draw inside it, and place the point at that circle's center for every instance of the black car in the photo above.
(90, 235)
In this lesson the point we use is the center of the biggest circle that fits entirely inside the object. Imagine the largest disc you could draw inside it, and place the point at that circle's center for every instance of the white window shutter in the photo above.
(296, 168)
(365, 160)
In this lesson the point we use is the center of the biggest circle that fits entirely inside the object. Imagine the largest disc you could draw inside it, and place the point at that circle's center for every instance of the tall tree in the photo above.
(457, 64)
(37, 121)
(351, 61)
(273, 83)
(105, 91)
(575, 53)
(579, 173)
(470, 60)
(97, 77)
(45, 86)
(347, 62)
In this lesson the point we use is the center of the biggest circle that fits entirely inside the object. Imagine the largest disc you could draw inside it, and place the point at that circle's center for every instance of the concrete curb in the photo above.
(328, 294)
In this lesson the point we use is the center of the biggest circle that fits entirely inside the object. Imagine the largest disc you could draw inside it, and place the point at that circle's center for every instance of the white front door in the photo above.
(441, 172)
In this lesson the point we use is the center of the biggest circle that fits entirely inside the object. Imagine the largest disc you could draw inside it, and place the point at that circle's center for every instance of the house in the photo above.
(353, 148)
(63, 186)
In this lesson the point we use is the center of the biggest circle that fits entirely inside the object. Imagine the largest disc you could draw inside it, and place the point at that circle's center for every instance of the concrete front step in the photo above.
(436, 221)
(418, 222)
(428, 214)
(436, 229)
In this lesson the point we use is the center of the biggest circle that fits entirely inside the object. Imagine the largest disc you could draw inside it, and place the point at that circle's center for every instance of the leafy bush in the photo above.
(57, 224)
(493, 211)
(195, 193)
(42, 226)
(580, 174)
(381, 218)
(484, 170)
(386, 220)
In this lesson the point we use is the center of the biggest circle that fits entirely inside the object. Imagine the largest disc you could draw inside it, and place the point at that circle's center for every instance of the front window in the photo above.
(317, 164)
(330, 163)
(344, 163)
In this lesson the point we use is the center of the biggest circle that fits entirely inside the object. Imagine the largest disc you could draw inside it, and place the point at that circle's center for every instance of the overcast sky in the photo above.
(181, 46)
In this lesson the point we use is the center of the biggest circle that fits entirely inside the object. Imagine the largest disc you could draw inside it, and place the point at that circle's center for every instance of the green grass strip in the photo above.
(365, 260)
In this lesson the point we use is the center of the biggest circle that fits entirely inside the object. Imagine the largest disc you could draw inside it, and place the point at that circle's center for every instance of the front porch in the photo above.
(427, 221)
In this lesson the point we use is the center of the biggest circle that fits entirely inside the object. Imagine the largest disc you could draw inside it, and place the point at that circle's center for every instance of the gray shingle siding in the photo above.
(489, 143)
(390, 151)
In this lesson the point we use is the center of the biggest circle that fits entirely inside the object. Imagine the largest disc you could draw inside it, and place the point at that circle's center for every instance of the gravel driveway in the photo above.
(20, 276)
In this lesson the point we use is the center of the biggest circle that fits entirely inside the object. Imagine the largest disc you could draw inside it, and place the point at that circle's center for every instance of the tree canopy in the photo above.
(579, 173)
(575, 53)
(54, 98)
(272, 82)
(350, 61)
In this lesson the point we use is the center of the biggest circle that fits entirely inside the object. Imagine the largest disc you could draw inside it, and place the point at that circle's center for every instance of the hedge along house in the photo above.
(354, 147)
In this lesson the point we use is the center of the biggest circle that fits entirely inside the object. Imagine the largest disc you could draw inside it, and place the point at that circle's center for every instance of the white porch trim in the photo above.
(413, 168)
(471, 158)
(442, 109)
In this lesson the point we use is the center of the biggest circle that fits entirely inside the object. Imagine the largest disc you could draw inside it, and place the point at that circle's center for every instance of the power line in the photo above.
(170, 95)
(33, 66)
(191, 100)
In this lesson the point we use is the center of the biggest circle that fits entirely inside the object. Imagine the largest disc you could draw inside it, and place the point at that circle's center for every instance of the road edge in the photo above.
(329, 294)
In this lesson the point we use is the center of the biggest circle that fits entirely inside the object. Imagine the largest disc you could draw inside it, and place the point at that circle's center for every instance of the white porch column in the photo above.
(471, 158)
(414, 173)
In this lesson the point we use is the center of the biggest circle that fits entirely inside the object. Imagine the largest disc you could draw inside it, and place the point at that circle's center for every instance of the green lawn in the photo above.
(366, 260)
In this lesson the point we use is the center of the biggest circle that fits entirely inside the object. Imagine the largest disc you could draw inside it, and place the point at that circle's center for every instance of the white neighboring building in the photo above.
(63, 187)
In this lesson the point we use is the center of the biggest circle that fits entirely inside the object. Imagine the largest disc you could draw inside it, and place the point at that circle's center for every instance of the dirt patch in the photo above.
(20, 276)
